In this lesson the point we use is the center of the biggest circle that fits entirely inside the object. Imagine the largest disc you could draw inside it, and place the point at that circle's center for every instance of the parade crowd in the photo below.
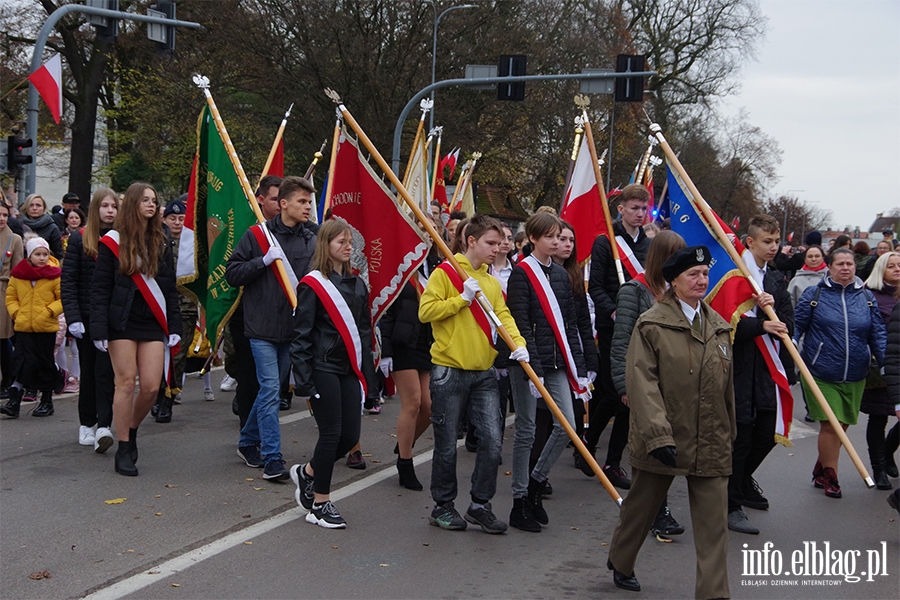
(688, 393)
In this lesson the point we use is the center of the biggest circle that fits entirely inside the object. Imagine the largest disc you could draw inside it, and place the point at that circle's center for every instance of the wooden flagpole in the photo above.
(334, 150)
(425, 106)
(278, 135)
(770, 312)
(482, 300)
(576, 146)
(603, 201)
(203, 83)
(463, 174)
(435, 167)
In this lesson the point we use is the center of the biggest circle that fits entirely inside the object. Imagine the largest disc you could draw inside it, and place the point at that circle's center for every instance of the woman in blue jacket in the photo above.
(841, 329)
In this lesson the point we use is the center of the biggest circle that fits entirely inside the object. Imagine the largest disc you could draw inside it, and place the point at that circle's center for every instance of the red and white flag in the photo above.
(47, 80)
(581, 207)
(392, 245)
(277, 166)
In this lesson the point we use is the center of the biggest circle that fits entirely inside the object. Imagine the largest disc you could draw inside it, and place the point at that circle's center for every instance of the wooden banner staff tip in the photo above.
(203, 83)
(770, 312)
(480, 298)
(316, 158)
(425, 105)
(274, 150)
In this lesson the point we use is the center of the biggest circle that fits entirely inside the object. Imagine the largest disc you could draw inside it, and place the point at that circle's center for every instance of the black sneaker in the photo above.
(326, 515)
(666, 525)
(617, 476)
(753, 497)
(251, 456)
(304, 494)
(446, 516)
(485, 518)
(275, 471)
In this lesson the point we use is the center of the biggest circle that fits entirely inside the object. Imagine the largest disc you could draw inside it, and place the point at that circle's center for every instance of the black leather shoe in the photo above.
(164, 415)
(285, 404)
(624, 582)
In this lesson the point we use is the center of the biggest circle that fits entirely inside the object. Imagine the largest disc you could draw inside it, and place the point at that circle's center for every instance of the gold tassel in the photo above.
(780, 439)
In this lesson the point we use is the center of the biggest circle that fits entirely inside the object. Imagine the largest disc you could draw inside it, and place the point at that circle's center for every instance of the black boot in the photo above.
(124, 463)
(536, 500)
(165, 410)
(132, 439)
(407, 473)
(521, 516)
(11, 408)
(45, 408)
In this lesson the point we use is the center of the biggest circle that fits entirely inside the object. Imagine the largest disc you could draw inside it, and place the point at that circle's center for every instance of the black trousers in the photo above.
(97, 386)
(6, 353)
(34, 363)
(753, 443)
(242, 367)
(338, 415)
(606, 404)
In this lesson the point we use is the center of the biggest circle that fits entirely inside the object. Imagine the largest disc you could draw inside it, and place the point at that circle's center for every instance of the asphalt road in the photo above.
(198, 523)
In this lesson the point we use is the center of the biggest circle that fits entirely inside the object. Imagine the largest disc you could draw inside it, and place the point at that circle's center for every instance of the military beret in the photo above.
(683, 260)
(176, 207)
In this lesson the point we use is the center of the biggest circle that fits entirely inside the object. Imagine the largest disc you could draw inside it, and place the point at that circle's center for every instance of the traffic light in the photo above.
(163, 35)
(512, 65)
(107, 28)
(629, 89)
(15, 157)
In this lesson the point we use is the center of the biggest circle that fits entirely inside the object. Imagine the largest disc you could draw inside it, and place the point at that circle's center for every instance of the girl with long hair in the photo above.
(332, 364)
(134, 312)
(95, 394)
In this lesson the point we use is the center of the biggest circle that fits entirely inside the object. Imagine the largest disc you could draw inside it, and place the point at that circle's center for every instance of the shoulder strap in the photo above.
(814, 302)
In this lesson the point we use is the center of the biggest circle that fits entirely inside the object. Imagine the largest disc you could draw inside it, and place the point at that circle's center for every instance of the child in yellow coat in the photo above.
(34, 304)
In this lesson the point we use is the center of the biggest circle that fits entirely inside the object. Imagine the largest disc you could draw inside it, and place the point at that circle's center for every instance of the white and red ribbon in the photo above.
(629, 260)
(481, 317)
(263, 240)
(550, 306)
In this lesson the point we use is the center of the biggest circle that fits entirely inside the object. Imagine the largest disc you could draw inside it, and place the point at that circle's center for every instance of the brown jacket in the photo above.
(680, 391)
(12, 250)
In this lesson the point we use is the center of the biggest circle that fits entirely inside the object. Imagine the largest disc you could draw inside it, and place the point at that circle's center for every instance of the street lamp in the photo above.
(437, 20)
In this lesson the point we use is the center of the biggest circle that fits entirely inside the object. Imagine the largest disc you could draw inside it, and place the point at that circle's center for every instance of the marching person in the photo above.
(810, 274)
(841, 329)
(603, 288)
(679, 382)
(634, 299)
(463, 381)
(268, 316)
(541, 301)
(332, 362)
(134, 312)
(12, 250)
(97, 386)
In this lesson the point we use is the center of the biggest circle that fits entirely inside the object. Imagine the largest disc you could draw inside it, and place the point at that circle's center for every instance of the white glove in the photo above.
(101, 345)
(470, 288)
(533, 388)
(585, 382)
(520, 354)
(173, 340)
(77, 329)
(501, 373)
(272, 254)
(386, 365)
(592, 376)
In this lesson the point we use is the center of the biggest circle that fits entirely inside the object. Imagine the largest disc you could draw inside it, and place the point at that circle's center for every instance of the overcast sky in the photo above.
(826, 86)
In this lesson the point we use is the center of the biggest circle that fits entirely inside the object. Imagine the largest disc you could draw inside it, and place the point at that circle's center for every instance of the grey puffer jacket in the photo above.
(634, 299)
(802, 280)
(841, 332)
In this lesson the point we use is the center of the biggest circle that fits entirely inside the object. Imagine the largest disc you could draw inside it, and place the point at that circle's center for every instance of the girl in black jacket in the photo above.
(95, 395)
(128, 324)
(332, 361)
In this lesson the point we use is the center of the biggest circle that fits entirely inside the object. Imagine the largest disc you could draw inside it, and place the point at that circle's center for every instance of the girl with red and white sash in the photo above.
(332, 363)
(541, 301)
(134, 312)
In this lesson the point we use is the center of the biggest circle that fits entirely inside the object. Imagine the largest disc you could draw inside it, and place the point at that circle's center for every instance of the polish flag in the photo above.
(277, 166)
(48, 82)
(581, 207)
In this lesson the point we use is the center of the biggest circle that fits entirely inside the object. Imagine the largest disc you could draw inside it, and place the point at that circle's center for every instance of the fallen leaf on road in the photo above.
(115, 501)
(169, 485)
(152, 572)
(367, 454)
(73, 546)
(176, 585)
(334, 547)
(129, 551)
(664, 540)
(250, 479)
(248, 543)
(393, 435)
(40, 575)
(507, 472)
(384, 565)
(573, 528)
(604, 543)
(256, 489)
(376, 461)
(157, 496)
(245, 516)
(158, 515)
(424, 544)
(188, 494)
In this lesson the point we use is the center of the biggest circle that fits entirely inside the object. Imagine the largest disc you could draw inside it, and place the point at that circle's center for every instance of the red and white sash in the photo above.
(481, 317)
(263, 240)
(550, 306)
(152, 295)
(342, 317)
(629, 260)
(769, 348)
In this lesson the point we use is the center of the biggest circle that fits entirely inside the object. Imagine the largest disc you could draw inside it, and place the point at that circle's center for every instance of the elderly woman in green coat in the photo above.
(679, 381)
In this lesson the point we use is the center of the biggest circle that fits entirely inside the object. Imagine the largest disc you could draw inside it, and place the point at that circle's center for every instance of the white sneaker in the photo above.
(86, 435)
(208, 395)
(229, 384)
(103, 440)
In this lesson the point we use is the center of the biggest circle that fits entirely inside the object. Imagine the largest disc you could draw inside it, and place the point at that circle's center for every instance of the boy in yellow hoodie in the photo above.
(463, 380)
(34, 305)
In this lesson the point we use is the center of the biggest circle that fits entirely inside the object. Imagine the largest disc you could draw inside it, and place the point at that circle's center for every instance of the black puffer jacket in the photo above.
(267, 314)
(77, 280)
(45, 227)
(753, 386)
(523, 303)
(892, 357)
(400, 325)
(112, 293)
(318, 346)
(604, 280)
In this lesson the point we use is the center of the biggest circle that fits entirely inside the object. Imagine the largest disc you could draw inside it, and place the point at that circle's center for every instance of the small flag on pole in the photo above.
(47, 80)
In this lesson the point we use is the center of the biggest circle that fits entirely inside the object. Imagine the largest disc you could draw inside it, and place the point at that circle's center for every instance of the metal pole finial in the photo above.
(335, 97)
(201, 81)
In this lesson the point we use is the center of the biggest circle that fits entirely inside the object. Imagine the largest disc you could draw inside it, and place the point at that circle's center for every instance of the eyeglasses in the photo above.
(152, 201)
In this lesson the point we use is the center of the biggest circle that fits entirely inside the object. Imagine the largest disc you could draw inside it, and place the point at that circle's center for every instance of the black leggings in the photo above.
(97, 387)
(338, 415)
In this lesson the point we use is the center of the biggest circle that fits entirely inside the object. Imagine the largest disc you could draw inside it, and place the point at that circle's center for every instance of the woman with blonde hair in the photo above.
(134, 312)
(36, 217)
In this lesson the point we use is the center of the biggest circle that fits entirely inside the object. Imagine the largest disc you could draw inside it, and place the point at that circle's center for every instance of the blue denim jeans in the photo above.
(455, 392)
(557, 384)
(273, 361)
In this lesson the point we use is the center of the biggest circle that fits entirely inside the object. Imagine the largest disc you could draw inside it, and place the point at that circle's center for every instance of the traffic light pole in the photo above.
(37, 57)
(425, 91)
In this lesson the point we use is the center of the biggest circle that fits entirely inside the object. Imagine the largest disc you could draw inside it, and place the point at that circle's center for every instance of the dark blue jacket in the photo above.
(842, 331)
